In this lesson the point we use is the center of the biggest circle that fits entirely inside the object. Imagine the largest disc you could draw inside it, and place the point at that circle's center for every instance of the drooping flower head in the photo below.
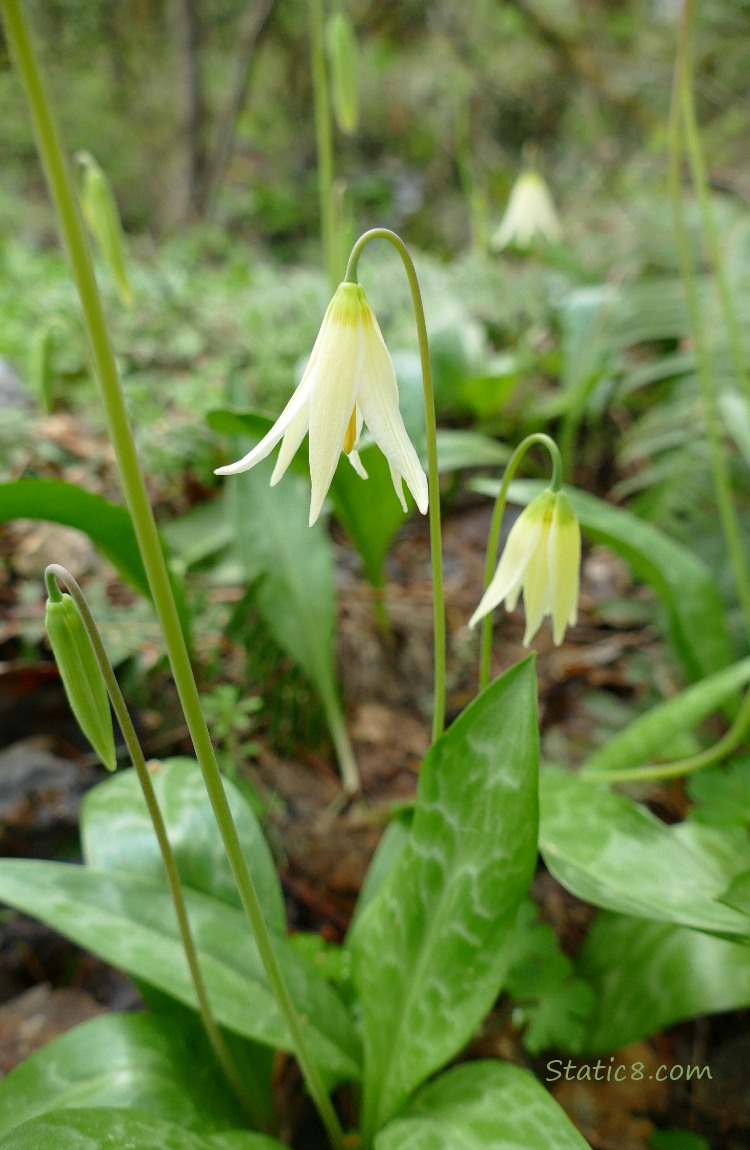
(530, 215)
(349, 380)
(541, 558)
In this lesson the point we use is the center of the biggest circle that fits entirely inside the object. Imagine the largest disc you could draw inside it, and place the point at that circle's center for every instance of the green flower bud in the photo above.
(81, 676)
(342, 55)
(103, 219)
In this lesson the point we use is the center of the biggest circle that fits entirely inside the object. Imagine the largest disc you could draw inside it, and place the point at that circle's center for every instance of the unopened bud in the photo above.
(103, 219)
(344, 64)
(81, 676)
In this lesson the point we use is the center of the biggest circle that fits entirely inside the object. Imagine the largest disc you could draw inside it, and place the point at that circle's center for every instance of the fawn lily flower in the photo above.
(541, 558)
(349, 379)
(530, 215)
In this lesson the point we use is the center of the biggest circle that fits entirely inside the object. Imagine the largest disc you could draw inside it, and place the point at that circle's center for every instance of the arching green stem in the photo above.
(52, 575)
(63, 193)
(493, 540)
(708, 758)
(433, 479)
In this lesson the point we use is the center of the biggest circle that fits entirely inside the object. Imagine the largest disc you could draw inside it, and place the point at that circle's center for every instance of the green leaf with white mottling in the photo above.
(649, 975)
(482, 1106)
(117, 834)
(134, 1061)
(129, 921)
(432, 947)
(616, 854)
(123, 1130)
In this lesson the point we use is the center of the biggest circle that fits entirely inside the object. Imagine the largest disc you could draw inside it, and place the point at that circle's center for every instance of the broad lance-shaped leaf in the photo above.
(129, 921)
(431, 949)
(616, 854)
(108, 526)
(482, 1106)
(133, 1061)
(117, 835)
(650, 975)
(125, 1130)
(293, 564)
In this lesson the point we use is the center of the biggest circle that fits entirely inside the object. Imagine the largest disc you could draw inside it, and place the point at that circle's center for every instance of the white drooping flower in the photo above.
(541, 558)
(349, 380)
(530, 215)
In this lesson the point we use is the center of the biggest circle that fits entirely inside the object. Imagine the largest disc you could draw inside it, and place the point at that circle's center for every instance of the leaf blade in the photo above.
(450, 902)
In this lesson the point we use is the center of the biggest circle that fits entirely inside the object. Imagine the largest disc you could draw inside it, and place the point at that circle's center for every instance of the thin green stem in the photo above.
(136, 496)
(433, 478)
(54, 574)
(717, 450)
(708, 758)
(342, 745)
(324, 143)
(493, 539)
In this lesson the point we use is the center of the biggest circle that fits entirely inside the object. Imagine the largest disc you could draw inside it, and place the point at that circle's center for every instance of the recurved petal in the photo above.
(295, 405)
(295, 433)
(507, 581)
(378, 400)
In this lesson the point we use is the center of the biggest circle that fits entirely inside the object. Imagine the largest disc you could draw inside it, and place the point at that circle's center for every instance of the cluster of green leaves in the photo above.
(446, 903)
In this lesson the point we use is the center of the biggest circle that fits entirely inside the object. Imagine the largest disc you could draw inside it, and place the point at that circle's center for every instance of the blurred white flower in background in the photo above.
(530, 215)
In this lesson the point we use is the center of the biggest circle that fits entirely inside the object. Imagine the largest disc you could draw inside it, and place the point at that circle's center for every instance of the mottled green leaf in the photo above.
(432, 947)
(129, 921)
(123, 1130)
(482, 1106)
(134, 1061)
(117, 834)
(649, 975)
(616, 854)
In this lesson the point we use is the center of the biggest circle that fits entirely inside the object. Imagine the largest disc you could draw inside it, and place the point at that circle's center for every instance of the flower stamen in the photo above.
(351, 433)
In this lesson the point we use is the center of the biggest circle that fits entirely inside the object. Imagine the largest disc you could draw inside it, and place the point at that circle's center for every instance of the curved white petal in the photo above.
(378, 399)
(288, 416)
(398, 485)
(537, 597)
(295, 433)
(336, 380)
(297, 402)
(507, 581)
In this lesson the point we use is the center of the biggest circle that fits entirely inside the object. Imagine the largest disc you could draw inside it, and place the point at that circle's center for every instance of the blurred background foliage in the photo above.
(450, 92)
(201, 114)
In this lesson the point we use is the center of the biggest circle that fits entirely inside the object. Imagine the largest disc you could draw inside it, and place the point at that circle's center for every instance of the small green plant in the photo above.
(231, 720)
